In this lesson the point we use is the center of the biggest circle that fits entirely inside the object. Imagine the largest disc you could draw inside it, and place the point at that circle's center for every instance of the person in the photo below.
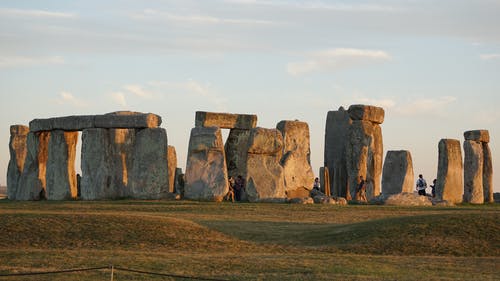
(230, 193)
(316, 184)
(239, 185)
(421, 185)
(361, 190)
(78, 186)
(433, 186)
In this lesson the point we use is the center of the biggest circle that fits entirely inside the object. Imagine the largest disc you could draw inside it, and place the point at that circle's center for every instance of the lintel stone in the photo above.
(225, 120)
(477, 135)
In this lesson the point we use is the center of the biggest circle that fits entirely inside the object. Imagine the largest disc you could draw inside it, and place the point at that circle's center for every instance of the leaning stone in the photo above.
(473, 172)
(367, 112)
(398, 172)
(449, 185)
(127, 119)
(33, 182)
(337, 127)
(206, 173)
(66, 123)
(477, 135)
(225, 120)
(487, 174)
(408, 199)
(236, 152)
(18, 150)
(148, 178)
(172, 165)
(61, 175)
(296, 161)
(264, 178)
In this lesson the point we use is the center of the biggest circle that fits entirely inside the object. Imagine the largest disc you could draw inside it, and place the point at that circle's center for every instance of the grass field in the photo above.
(250, 241)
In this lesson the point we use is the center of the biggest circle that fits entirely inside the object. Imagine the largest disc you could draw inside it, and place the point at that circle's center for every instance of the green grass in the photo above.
(250, 241)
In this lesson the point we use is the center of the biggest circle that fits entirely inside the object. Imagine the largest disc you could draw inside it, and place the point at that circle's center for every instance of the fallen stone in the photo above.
(473, 172)
(398, 172)
(301, 200)
(32, 184)
(61, 175)
(18, 150)
(206, 173)
(296, 161)
(449, 185)
(477, 135)
(367, 112)
(225, 120)
(172, 165)
(408, 199)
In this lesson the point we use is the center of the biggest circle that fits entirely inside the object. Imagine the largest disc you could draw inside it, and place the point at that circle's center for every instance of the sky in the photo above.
(434, 66)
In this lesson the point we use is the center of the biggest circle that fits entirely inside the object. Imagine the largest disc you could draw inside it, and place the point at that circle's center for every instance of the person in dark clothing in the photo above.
(239, 185)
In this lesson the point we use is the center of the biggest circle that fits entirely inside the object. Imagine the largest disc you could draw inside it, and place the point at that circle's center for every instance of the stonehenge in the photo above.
(126, 155)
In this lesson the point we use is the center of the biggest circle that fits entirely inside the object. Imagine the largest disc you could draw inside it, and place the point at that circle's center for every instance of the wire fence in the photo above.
(112, 270)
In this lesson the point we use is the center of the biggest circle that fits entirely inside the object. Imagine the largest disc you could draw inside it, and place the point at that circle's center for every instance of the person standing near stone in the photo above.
(421, 185)
(361, 190)
(239, 185)
(230, 193)
(316, 184)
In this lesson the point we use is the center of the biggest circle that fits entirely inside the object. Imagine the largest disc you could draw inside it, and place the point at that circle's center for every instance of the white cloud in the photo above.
(319, 5)
(67, 98)
(335, 59)
(19, 13)
(490, 56)
(118, 98)
(424, 106)
(138, 91)
(21, 61)
(150, 14)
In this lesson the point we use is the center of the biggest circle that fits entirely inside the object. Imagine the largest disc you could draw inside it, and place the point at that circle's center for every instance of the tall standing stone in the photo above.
(296, 161)
(449, 185)
(487, 174)
(148, 178)
(61, 175)
(18, 150)
(32, 185)
(336, 130)
(398, 172)
(473, 172)
(359, 156)
(206, 172)
(265, 178)
(172, 165)
(236, 152)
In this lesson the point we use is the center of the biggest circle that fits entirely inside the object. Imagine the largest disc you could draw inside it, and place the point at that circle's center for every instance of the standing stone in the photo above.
(148, 178)
(378, 154)
(359, 156)
(473, 172)
(61, 176)
(106, 162)
(295, 161)
(487, 174)
(449, 185)
(337, 127)
(172, 165)
(265, 177)
(32, 185)
(179, 182)
(18, 151)
(236, 152)
(326, 176)
(206, 172)
(398, 173)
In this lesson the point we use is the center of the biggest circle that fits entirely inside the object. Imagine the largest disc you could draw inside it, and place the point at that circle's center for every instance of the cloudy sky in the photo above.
(434, 66)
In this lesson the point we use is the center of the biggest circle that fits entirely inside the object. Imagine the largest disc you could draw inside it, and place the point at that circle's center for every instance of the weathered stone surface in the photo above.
(225, 120)
(296, 161)
(337, 127)
(264, 178)
(61, 175)
(206, 173)
(487, 174)
(172, 166)
(408, 199)
(449, 185)
(477, 135)
(398, 172)
(473, 172)
(18, 151)
(236, 152)
(367, 112)
(32, 184)
(148, 178)
(301, 200)
(298, 193)
(378, 155)
(360, 158)
(121, 119)
(106, 162)
(127, 119)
